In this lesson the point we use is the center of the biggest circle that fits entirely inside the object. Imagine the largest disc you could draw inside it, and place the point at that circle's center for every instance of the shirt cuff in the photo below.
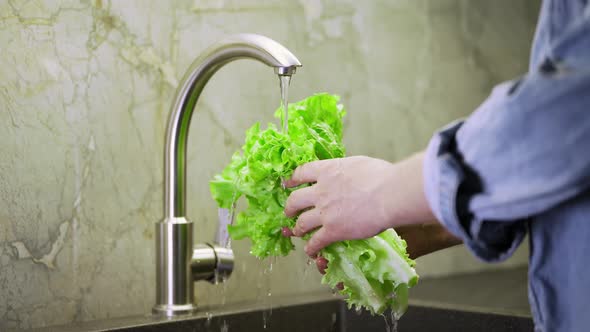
(449, 185)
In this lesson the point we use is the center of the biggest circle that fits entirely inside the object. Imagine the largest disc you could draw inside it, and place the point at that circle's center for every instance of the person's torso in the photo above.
(559, 266)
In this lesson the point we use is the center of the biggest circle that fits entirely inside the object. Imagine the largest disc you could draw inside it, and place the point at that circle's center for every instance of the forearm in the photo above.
(408, 204)
(427, 238)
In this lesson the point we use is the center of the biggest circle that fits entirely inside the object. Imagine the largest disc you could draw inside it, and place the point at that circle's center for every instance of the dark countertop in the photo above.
(501, 292)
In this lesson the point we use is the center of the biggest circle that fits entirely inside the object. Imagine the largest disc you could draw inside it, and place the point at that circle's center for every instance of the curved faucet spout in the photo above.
(178, 262)
(236, 47)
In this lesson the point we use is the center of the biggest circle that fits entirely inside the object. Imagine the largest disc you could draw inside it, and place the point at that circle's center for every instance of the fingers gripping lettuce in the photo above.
(315, 132)
(376, 272)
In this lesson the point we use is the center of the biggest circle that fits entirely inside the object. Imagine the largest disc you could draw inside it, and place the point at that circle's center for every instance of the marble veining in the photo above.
(85, 88)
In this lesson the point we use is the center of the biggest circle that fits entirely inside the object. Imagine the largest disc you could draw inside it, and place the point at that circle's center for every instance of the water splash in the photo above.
(209, 316)
(391, 321)
(265, 293)
(306, 269)
(232, 216)
(224, 289)
(264, 319)
(358, 310)
(224, 326)
(225, 218)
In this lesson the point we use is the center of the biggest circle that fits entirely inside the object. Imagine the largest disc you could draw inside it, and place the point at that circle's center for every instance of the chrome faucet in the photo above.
(178, 263)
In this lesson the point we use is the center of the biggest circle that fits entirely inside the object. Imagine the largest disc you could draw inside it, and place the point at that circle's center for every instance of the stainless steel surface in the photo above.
(240, 46)
(212, 263)
(203, 262)
(175, 261)
(224, 264)
(174, 284)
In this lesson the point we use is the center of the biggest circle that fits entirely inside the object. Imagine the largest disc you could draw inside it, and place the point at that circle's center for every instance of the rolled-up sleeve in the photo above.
(525, 150)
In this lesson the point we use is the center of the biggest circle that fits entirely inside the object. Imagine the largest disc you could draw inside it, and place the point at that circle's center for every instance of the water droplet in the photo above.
(358, 310)
(224, 327)
(209, 317)
(215, 277)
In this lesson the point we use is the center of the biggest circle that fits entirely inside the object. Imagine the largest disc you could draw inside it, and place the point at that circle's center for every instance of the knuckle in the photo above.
(291, 203)
(288, 208)
(310, 247)
(292, 199)
(288, 203)
(301, 171)
(300, 227)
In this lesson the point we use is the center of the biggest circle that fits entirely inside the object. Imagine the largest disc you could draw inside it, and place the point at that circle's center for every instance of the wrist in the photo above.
(408, 203)
(447, 239)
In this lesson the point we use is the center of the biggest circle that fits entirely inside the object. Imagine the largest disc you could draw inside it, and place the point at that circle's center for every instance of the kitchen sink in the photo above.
(314, 313)
(487, 301)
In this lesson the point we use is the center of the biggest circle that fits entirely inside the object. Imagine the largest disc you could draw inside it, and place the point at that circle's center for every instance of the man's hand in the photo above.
(421, 240)
(355, 198)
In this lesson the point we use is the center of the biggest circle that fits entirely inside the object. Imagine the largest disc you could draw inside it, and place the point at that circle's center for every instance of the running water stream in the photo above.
(285, 81)
(264, 292)
(264, 282)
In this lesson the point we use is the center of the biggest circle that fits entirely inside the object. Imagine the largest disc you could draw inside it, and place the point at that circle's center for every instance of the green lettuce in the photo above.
(376, 272)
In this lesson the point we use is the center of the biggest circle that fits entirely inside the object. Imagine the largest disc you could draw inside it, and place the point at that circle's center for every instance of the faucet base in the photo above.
(174, 246)
(173, 310)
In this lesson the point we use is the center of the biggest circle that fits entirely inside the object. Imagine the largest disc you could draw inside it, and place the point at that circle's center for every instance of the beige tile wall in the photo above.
(85, 88)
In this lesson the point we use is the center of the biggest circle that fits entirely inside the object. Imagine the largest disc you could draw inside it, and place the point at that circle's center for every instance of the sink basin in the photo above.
(309, 313)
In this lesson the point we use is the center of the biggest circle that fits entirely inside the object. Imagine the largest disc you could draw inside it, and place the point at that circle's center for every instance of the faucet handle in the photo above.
(212, 263)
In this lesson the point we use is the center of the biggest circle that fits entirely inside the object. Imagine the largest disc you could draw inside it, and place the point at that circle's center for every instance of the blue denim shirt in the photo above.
(521, 163)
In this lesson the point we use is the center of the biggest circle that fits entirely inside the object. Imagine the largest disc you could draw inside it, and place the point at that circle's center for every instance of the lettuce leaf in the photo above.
(376, 272)
(315, 132)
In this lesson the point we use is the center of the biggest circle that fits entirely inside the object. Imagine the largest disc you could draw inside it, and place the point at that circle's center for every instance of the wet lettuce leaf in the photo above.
(376, 272)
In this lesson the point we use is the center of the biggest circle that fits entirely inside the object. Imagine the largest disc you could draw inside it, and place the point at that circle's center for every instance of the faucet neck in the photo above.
(236, 47)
